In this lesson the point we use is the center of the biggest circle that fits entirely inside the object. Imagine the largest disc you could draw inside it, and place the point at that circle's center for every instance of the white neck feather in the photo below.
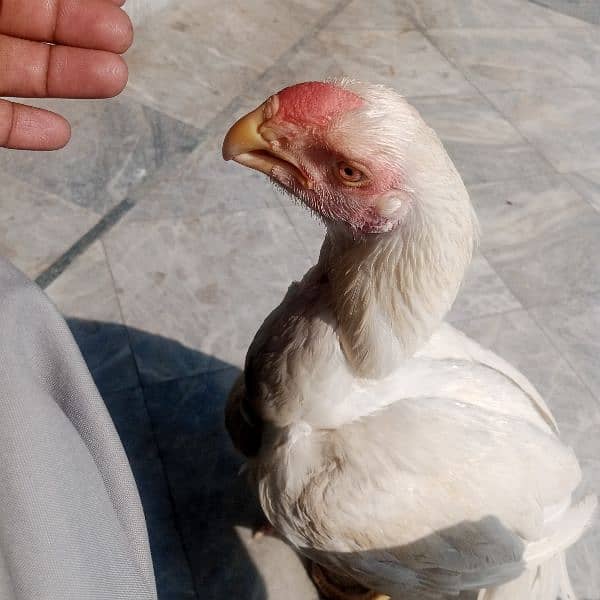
(390, 291)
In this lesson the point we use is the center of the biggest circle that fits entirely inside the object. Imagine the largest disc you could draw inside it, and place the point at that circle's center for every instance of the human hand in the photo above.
(59, 49)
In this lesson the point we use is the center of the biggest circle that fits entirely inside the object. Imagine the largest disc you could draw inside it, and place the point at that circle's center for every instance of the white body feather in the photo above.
(395, 449)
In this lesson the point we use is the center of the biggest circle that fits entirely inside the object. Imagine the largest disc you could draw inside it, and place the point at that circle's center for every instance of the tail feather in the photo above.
(566, 531)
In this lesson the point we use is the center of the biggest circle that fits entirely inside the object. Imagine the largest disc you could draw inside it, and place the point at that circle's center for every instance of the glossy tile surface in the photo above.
(482, 143)
(203, 183)
(573, 328)
(195, 281)
(541, 237)
(522, 58)
(562, 123)
(211, 53)
(483, 13)
(405, 60)
(114, 145)
(37, 227)
(482, 293)
(587, 183)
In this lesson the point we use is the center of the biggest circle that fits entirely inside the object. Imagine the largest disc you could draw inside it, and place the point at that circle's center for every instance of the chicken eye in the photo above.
(349, 174)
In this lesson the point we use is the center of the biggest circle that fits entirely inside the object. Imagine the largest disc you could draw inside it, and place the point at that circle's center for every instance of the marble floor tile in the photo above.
(203, 183)
(587, 184)
(516, 337)
(205, 283)
(378, 14)
(482, 293)
(540, 237)
(37, 227)
(173, 575)
(406, 61)
(212, 501)
(562, 123)
(483, 145)
(507, 59)
(588, 10)
(85, 289)
(483, 13)
(573, 327)
(194, 61)
(524, 58)
(86, 296)
(114, 145)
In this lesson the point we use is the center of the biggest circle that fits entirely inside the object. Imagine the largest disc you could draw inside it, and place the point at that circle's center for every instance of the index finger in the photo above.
(95, 24)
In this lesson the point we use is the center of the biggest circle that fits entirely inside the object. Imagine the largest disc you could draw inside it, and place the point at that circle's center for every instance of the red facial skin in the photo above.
(305, 130)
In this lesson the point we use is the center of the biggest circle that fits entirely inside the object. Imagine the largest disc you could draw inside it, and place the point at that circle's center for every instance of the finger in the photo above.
(36, 70)
(28, 128)
(93, 24)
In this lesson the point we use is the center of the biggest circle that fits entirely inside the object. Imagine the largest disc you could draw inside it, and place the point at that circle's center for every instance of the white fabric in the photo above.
(71, 521)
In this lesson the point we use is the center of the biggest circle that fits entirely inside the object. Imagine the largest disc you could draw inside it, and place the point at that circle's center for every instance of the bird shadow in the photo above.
(185, 467)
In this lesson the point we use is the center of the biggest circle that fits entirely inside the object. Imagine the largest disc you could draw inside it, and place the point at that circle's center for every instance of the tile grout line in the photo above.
(487, 100)
(528, 309)
(159, 453)
(544, 159)
(559, 12)
(114, 215)
(563, 355)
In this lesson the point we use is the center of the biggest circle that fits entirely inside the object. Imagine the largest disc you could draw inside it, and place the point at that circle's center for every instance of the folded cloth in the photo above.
(71, 521)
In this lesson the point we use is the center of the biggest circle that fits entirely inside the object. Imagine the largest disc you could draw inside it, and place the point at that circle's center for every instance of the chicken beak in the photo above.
(244, 137)
(245, 144)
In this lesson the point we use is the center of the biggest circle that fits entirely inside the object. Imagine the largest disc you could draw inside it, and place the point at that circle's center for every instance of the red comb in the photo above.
(315, 102)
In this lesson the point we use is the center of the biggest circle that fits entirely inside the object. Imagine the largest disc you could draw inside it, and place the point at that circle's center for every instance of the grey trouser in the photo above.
(71, 521)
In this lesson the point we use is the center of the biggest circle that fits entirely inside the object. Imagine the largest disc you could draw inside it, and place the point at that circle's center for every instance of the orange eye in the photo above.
(349, 174)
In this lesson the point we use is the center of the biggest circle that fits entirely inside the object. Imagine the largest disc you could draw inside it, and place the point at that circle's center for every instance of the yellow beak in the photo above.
(245, 145)
(244, 136)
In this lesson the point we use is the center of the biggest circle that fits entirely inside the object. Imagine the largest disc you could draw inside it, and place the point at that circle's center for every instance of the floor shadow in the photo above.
(185, 466)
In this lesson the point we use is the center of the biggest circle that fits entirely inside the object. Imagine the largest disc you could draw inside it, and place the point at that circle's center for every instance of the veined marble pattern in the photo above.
(482, 143)
(573, 327)
(37, 227)
(164, 304)
(482, 293)
(85, 290)
(405, 60)
(541, 238)
(589, 10)
(483, 13)
(378, 14)
(206, 283)
(523, 58)
(211, 53)
(202, 183)
(562, 123)
(115, 144)
(587, 183)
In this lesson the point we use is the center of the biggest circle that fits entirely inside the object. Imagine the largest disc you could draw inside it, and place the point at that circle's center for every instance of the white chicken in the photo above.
(385, 445)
